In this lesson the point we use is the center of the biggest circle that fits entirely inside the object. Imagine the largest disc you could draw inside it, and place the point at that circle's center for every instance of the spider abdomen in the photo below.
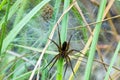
(64, 46)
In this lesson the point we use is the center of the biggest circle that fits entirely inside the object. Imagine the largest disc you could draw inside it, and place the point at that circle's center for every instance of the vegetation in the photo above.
(28, 26)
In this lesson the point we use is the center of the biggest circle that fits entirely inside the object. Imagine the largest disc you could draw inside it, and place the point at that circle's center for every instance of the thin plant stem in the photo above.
(95, 39)
(112, 61)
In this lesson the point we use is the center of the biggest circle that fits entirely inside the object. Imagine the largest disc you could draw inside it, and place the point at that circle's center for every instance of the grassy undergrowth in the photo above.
(27, 25)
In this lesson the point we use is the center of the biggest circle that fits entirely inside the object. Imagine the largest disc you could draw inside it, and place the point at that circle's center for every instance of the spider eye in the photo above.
(64, 46)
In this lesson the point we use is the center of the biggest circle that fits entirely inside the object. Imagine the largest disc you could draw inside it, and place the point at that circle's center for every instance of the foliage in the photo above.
(27, 25)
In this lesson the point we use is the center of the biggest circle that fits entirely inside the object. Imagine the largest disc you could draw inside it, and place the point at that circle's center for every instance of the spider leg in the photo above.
(70, 51)
(65, 67)
(54, 43)
(54, 62)
(70, 39)
(69, 42)
(59, 37)
(71, 64)
(51, 61)
(76, 55)
(75, 50)
(80, 59)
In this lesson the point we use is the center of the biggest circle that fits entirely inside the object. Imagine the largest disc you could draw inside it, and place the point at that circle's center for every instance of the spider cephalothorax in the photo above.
(64, 52)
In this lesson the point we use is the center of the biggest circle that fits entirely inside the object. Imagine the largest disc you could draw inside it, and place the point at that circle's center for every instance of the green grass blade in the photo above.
(56, 9)
(112, 61)
(2, 4)
(95, 39)
(12, 11)
(4, 25)
(21, 24)
(63, 38)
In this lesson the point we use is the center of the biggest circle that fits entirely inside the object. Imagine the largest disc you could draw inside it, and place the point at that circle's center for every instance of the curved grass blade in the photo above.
(12, 34)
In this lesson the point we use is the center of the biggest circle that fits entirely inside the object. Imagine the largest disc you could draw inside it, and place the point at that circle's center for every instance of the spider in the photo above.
(64, 52)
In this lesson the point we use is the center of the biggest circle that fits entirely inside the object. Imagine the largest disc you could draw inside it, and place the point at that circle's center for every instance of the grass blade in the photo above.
(95, 39)
(63, 38)
(112, 61)
(21, 24)
(12, 11)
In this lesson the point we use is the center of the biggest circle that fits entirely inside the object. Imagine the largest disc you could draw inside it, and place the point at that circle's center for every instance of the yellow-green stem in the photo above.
(60, 69)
